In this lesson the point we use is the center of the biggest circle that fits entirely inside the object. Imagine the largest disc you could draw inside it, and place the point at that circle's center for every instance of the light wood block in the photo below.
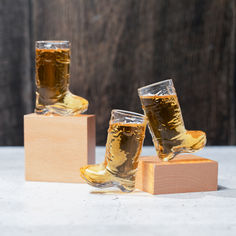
(185, 173)
(57, 146)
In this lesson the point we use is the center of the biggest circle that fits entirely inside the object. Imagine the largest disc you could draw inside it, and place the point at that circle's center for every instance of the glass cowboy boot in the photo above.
(161, 106)
(52, 80)
(126, 133)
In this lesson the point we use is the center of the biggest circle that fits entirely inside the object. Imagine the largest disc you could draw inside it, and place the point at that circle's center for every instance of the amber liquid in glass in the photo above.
(52, 74)
(167, 126)
(52, 82)
(124, 144)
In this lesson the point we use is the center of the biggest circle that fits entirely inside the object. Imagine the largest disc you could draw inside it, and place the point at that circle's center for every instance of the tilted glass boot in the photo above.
(52, 80)
(161, 106)
(126, 133)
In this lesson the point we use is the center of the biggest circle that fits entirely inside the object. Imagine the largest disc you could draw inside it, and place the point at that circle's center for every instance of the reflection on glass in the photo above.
(126, 133)
(52, 80)
(161, 106)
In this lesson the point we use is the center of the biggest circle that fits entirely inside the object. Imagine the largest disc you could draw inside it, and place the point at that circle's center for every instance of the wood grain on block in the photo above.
(185, 173)
(56, 147)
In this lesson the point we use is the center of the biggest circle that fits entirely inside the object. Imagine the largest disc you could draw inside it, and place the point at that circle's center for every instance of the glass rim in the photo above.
(154, 84)
(53, 41)
(52, 44)
(130, 113)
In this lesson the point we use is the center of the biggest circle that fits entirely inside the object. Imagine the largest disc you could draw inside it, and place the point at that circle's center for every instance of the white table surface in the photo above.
(36, 208)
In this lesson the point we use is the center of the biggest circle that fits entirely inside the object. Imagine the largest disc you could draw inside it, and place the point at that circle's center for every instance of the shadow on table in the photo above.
(224, 192)
(221, 192)
(119, 192)
(221, 187)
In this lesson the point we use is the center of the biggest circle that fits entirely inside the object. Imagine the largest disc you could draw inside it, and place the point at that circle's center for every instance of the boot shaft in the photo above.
(164, 114)
(123, 147)
(52, 70)
(124, 144)
(161, 106)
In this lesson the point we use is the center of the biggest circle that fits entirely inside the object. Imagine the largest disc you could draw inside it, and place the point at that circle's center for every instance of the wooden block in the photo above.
(57, 146)
(185, 173)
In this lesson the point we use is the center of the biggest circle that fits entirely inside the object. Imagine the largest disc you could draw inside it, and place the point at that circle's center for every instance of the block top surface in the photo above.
(179, 159)
(36, 116)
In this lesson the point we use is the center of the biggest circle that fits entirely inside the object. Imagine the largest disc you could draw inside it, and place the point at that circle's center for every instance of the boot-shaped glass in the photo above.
(126, 133)
(52, 80)
(161, 106)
